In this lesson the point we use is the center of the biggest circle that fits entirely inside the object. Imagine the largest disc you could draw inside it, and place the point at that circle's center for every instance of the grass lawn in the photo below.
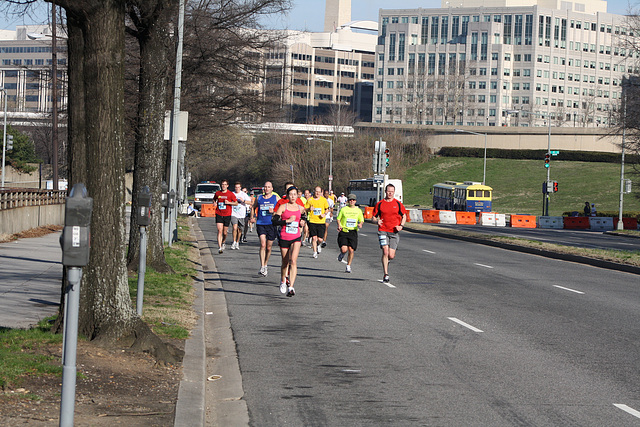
(517, 184)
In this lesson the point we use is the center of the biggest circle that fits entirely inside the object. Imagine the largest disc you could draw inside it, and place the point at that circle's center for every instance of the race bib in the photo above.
(292, 227)
(351, 222)
(238, 209)
(265, 208)
(222, 206)
(317, 211)
(383, 239)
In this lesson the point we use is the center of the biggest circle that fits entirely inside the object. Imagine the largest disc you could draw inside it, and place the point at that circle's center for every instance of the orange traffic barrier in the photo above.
(468, 218)
(627, 223)
(523, 221)
(431, 216)
(368, 212)
(576, 222)
(208, 209)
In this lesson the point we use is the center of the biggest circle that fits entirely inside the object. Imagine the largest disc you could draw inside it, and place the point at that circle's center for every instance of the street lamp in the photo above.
(330, 141)
(4, 140)
(484, 172)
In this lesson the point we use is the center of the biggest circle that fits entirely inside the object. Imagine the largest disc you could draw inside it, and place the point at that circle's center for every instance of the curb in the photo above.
(190, 406)
(547, 254)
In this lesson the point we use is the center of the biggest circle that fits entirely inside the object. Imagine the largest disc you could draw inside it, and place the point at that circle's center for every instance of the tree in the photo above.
(96, 104)
(149, 23)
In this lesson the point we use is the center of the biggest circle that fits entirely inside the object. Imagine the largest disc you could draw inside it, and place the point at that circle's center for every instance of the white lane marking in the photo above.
(388, 284)
(363, 235)
(354, 341)
(627, 409)
(482, 265)
(351, 371)
(466, 325)
(567, 289)
(429, 252)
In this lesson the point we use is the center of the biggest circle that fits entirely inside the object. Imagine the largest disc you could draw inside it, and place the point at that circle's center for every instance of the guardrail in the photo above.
(12, 198)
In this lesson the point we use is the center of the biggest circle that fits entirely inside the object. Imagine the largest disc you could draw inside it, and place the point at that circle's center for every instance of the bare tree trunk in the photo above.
(151, 21)
(96, 54)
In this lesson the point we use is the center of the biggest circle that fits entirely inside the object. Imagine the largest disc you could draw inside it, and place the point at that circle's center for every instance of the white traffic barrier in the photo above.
(501, 220)
(415, 215)
(488, 218)
(550, 222)
(447, 217)
(601, 223)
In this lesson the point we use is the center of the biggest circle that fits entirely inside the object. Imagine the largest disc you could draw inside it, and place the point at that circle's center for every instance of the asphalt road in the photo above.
(464, 335)
(578, 238)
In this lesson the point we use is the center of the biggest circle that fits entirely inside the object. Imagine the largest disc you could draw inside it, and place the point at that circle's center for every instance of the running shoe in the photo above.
(340, 257)
(244, 240)
(288, 281)
(283, 287)
(348, 269)
(315, 254)
(266, 270)
(323, 245)
(291, 292)
(262, 271)
(385, 279)
(220, 250)
(319, 248)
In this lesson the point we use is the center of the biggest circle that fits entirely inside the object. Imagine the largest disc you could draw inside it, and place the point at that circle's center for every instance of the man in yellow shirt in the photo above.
(350, 219)
(318, 208)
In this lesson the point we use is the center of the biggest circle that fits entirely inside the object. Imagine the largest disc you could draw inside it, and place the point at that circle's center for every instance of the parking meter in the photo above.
(76, 235)
(172, 198)
(144, 207)
(164, 196)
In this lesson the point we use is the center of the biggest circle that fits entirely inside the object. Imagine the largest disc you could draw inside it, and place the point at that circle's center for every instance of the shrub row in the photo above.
(625, 214)
(497, 153)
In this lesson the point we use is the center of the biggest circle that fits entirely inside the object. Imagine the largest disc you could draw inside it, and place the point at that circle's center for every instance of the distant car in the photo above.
(205, 192)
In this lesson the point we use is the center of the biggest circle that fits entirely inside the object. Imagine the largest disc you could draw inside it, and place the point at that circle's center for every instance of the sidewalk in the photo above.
(30, 280)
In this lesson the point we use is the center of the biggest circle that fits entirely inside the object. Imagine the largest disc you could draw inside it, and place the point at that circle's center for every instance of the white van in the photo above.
(205, 192)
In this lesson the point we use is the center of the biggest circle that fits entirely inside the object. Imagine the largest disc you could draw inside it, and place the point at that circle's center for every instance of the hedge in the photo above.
(497, 153)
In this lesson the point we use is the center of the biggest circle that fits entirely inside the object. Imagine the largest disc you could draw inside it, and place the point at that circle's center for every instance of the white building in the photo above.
(501, 63)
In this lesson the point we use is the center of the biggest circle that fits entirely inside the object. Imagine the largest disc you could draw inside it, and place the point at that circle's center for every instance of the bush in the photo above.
(572, 156)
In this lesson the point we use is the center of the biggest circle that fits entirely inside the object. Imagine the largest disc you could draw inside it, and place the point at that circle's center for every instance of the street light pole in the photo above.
(4, 135)
(54, 96)
(330, 141)
(624, 134)
(484, 165)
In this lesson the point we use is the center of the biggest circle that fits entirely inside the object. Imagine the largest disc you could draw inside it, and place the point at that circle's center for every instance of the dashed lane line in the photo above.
(482, 265)
(427, 251)
(568, 289)
(466, 325)
(627, 409)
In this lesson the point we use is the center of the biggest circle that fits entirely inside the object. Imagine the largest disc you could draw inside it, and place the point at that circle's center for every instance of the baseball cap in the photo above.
(352, 196)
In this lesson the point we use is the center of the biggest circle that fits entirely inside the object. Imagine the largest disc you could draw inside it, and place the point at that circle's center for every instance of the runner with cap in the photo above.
(350, 219)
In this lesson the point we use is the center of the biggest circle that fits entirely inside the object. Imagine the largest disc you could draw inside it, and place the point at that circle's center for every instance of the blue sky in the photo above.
(306, 14)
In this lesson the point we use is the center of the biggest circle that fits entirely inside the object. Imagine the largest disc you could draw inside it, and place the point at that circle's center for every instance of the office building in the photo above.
(502, 63)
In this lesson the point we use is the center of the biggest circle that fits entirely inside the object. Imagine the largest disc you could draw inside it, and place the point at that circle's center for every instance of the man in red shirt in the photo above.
(224, 200)
(390, 215)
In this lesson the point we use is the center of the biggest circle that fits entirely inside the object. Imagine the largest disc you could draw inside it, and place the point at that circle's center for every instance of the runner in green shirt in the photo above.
(350, 219)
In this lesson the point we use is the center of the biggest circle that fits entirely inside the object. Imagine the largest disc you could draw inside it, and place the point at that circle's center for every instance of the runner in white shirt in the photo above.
(342, 202)
(238, 214)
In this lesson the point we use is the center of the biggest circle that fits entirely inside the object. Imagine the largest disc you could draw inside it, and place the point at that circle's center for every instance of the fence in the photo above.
(25, 208)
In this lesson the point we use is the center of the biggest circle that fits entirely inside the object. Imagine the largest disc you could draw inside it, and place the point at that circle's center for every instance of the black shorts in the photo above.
(268, 230)
(288, 243)
(224, 220)
(317, 230)
(348, 238)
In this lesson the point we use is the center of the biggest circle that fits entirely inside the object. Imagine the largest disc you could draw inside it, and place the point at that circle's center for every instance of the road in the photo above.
(578, 238)
(464, 335)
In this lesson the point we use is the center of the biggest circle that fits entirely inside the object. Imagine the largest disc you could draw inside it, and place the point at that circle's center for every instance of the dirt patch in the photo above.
(113, 387)
(32, 232)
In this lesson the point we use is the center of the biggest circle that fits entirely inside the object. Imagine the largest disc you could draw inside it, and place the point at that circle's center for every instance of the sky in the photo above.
(306, 14)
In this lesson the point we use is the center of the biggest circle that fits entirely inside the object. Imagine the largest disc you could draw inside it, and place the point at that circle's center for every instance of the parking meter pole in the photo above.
(70, 339)
(142, 269)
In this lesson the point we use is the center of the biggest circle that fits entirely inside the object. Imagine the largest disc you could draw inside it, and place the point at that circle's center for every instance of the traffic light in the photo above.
(386, 155)
(9, 142)
(555, 186)
(547, 159)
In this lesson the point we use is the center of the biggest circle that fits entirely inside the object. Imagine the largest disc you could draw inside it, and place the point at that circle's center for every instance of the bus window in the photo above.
(472, 193)
(487, 194)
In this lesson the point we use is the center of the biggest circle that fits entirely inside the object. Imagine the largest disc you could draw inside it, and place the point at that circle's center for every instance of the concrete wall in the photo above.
(513, 138)
(20, 219)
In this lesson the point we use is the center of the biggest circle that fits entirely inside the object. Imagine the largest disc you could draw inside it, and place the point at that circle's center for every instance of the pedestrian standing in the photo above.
(224, 200)
(587, 209)
(349, 220)
(261, 213)
(289, 216)
(390, 215)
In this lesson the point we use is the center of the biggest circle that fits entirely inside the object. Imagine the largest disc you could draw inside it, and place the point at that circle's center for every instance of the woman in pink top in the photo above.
(290, 217)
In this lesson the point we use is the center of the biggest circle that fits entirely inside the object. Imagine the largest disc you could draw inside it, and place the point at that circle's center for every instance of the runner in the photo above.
(329, 217)
(289, 216)
(248, 225)
(238, 214)
(318, 207)
(342, 202)
(390, 215)
(349, 219)
(224, 200)
(306, 240)
(283, 200)
(267, 233)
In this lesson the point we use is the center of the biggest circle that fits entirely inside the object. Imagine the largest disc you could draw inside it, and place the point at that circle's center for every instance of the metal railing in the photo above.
(12, 198)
